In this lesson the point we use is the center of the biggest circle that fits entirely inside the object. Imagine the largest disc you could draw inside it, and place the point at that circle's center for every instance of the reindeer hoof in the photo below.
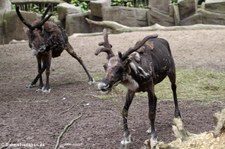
(149, 130)
(39, 90)
(127, 140)
(30, 86)
(153, 142)
(45, 90)
(91, 81)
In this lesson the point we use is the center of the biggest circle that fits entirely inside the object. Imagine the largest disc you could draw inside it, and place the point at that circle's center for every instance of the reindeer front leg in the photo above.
(39, 75)
(39, 72)
(152, 113)
(47, 64)
(127, 136)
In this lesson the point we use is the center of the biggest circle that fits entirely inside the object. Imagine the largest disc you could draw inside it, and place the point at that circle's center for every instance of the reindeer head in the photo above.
(35, 32)
(117, 67)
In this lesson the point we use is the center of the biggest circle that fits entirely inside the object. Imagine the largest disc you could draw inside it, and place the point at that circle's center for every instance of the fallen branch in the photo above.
(68, 109)
(6, 145)
(64, 130)
(119, 28)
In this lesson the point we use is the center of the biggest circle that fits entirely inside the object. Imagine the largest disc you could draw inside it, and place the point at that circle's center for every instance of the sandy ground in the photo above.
(27, 116)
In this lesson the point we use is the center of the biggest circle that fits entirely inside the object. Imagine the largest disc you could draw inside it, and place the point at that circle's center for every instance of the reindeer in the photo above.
(139, 69)
(47, 40)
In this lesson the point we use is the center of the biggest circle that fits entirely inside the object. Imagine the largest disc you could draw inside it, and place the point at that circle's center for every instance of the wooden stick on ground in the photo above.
(64, 130)
(7, 144)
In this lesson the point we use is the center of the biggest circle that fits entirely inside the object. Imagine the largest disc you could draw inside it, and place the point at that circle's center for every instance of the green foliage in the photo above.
(133, 3)
(121, 3)
(174, 1)
(130, 3)
(82, 4)
(35, 8)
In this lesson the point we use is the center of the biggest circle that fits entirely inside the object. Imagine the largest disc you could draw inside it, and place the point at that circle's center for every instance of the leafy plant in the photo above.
(134, 3)
(82, 4)
(129, 3)
(35, 8)
(174, 1)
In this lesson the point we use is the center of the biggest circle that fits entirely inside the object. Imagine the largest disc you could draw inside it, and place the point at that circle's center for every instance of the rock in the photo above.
(154, 16)
(217, 6)
(96, 7)
(76, 23)
(64, 9)
(162, 6)
(5, 5)
(132, 17)
(186, 8)
(13, 25)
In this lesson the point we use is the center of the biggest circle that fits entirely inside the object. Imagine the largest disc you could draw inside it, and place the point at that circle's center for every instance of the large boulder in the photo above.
(96, 7)
(5, 5)
(162, 6)
(76, 23)
(132, 17)
(155, 16)
(204, 17)
(161, 12)
(194, 19)
(187, 8)
(64, 9)
(13, 27)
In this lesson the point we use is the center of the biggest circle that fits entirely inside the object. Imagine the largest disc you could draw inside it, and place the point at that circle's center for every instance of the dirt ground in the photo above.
(27, 116)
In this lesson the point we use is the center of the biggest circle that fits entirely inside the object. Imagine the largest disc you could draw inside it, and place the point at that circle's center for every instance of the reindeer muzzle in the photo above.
(39, 50)
(42, 48)
(104, 86)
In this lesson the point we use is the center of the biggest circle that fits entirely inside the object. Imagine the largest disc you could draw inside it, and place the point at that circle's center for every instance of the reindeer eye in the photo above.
(105, 66)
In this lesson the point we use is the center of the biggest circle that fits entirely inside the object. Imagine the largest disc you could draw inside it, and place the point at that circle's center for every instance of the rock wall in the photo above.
(160, 12)
(126, 16)
(163, 12)
(210, 12)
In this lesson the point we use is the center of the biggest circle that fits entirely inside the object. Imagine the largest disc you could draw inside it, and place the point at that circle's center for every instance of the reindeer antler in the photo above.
(137, 46)
(43, 19)
(46, 11)
(107, 47)
(22, 19)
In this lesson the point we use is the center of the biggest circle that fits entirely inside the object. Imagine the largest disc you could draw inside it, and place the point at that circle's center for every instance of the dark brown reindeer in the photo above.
(139, 69)
(47, 40)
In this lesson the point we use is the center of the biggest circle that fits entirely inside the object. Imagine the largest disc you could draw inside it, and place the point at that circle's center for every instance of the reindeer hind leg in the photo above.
(70, 50)
(172, 78)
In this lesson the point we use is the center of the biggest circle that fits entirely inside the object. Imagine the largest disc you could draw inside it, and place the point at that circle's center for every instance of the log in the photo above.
(219, 119)
(211, 139)
(119, 28)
